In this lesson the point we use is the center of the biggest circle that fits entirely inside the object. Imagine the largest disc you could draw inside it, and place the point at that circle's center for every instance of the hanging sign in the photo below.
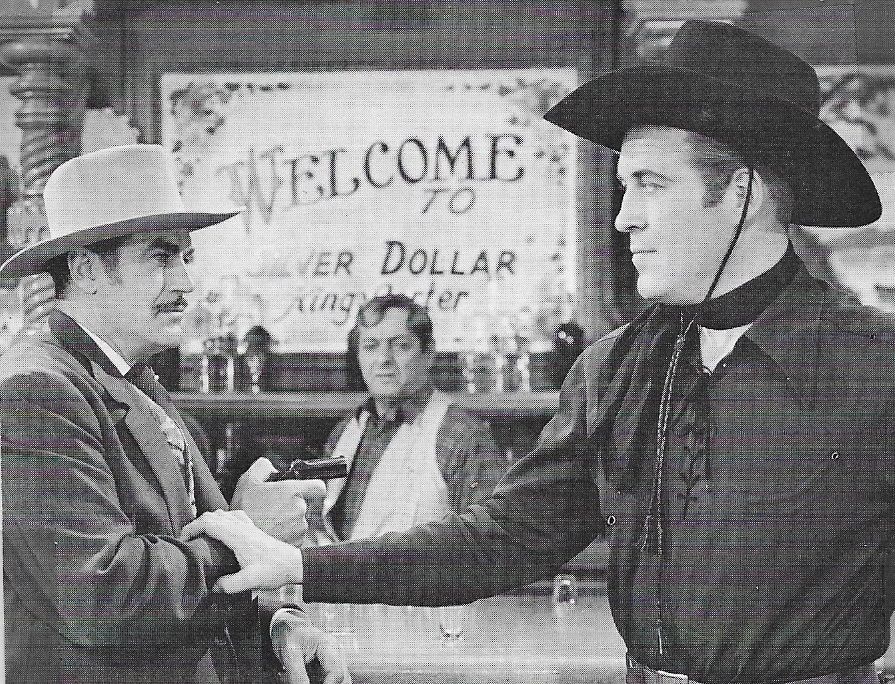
(444, 185)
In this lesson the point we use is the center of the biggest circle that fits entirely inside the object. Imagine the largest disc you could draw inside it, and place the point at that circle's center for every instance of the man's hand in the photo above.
(297, 643)
(278, 508)
(266, 563)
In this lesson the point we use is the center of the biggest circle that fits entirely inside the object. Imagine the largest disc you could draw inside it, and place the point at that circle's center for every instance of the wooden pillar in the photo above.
(48, 53)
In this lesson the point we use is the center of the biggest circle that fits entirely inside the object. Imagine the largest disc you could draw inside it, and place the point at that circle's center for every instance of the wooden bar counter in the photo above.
(509, 639)
(239, 406)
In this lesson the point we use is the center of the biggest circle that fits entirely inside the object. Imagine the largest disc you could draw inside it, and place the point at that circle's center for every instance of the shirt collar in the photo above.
(107, 349)
(787, 330)
(405, 411)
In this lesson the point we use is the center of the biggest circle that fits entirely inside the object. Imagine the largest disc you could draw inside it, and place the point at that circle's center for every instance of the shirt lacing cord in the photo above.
(699, 421)
(652, 534)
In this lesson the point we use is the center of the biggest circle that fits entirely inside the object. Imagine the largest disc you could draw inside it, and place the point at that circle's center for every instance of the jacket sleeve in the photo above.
(73, 555)
(542, 514)
(469, 458)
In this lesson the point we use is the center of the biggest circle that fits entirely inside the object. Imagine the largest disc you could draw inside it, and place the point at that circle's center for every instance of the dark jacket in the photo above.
(782, 570)
(97, 586)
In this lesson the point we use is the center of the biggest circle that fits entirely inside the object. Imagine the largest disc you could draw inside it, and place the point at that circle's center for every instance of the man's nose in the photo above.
(180, 280)
(630, 216)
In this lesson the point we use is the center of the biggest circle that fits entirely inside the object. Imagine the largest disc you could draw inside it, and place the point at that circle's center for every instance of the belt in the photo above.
(642, 674)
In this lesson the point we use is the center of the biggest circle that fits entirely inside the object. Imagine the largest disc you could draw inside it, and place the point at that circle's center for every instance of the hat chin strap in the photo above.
(652, 534)
(736, 237)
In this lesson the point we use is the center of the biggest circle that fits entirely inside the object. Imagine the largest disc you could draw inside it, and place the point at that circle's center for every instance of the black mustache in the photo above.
(173, 306)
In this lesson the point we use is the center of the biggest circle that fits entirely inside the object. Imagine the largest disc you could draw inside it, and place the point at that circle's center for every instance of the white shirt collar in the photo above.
(116, 358)
(717, 344)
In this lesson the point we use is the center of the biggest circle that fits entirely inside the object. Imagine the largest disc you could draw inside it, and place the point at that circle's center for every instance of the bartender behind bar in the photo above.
(413, 457)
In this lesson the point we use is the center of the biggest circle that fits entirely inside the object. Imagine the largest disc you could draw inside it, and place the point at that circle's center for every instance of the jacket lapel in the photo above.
(207, 492)
(146, 431)
(138, 416)
(346, 446)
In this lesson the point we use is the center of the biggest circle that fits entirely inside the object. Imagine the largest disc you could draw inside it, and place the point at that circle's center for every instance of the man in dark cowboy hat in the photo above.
(735, 441)
(99, 470)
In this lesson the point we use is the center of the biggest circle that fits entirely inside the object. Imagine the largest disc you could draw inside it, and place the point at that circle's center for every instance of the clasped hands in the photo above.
(263, 528)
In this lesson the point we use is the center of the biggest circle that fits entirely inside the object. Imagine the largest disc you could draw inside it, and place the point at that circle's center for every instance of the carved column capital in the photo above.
(48, 53)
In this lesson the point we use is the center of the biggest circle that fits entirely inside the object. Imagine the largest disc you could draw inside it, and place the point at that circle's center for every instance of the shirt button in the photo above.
(610, 520)
(834, 455)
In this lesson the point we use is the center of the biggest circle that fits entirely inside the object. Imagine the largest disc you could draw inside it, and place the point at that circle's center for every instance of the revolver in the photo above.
(313, 469)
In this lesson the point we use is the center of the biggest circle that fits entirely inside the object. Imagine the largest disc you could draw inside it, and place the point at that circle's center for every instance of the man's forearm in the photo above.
(454, 561)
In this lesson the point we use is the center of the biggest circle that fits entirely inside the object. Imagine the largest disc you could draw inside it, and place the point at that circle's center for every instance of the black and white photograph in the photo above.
(447, 341)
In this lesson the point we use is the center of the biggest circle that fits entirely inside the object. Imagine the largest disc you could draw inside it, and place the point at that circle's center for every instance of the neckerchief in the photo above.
(744, 304)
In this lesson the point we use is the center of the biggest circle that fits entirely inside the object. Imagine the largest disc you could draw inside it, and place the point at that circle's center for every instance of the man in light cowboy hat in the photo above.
(735, 441)
(99, 471)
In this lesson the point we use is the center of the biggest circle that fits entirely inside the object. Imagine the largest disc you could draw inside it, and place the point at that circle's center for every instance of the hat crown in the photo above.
(723, 82)
(109, 186)
(112, 193)
(759, 68)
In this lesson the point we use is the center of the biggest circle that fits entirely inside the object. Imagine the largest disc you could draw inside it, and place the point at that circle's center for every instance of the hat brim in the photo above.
(32, 259)
(832, 186)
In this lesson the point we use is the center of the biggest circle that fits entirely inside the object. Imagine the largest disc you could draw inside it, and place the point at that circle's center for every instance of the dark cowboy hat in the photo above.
(728, 84)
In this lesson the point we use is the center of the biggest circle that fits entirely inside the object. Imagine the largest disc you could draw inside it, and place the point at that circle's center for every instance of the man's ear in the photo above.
(739, 186)
(83, 269)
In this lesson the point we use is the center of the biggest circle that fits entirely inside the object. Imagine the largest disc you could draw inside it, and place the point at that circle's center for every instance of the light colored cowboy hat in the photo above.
(726, 83)
(107, 194)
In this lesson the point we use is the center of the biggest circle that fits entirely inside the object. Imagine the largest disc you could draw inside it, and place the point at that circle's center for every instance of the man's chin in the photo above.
(669, 300)
(171, 336)
(653, 293)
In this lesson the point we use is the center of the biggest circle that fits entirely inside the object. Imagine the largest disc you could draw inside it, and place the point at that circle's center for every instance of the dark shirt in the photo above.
(779, 567)
(467, 455)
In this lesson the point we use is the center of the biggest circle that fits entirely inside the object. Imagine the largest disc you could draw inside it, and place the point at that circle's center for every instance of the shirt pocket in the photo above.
(815, 466)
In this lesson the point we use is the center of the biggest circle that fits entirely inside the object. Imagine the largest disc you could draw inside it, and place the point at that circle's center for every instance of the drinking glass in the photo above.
(450, 622)
(565, 590)
(338, 618)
